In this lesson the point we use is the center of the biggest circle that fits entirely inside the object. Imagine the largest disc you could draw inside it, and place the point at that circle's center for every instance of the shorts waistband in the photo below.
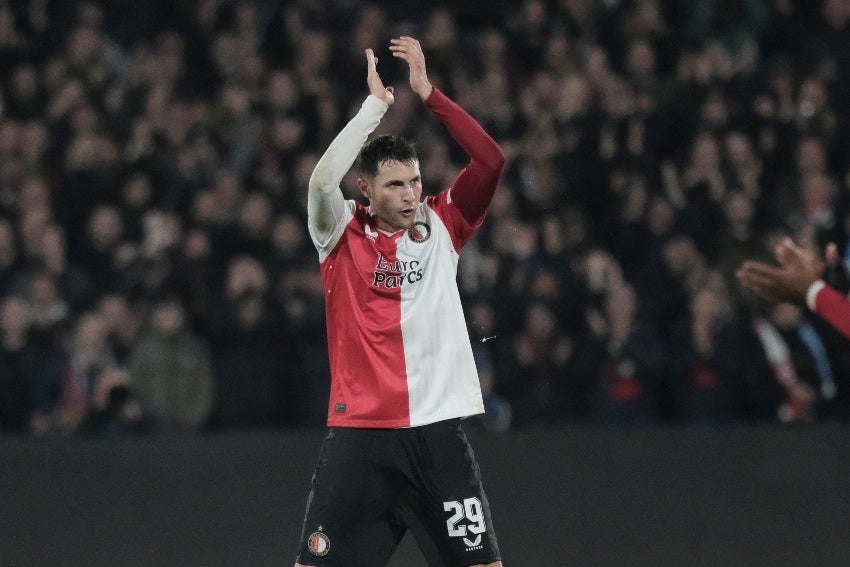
(437, 425)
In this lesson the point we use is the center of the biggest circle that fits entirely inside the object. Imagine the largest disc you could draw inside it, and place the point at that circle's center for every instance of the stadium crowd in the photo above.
(155, 269)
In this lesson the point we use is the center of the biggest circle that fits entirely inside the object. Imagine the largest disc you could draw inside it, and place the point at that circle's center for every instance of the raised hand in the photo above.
(789, 281)
(408, 49)
(376, 85)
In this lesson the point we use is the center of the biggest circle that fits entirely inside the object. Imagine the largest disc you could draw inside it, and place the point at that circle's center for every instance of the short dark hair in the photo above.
(383, 149)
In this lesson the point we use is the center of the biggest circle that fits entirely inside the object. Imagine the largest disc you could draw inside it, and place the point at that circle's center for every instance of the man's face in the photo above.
(393, 194)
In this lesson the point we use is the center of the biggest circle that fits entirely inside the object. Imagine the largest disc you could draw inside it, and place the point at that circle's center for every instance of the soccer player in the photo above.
(799, 278)
(395, 457)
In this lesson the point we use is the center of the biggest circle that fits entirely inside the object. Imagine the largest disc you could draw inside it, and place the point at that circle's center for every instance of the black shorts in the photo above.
(372, 485)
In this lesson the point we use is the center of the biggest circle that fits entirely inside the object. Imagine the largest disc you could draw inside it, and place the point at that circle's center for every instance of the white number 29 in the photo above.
(471, 510)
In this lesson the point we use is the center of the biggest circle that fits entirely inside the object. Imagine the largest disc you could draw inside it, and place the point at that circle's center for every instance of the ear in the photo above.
(363, 185)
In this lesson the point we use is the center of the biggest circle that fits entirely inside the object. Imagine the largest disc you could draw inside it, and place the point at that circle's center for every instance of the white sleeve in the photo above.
(326, 206)
(813, 291)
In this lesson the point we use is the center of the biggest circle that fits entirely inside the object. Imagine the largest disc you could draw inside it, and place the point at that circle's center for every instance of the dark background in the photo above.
(576, 496)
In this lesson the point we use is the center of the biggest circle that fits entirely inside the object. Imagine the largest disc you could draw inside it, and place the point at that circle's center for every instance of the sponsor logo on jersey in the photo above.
(419, 232)
(392, 274)
(318, 543)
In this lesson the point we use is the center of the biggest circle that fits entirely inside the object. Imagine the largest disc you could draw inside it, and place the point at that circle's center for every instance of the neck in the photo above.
(383, 225)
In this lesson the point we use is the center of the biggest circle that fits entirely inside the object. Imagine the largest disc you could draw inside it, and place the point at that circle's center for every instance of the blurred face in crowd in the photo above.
(137, 191)
(34, 141)
(24, 85)
(84, 45)
(835, 13)
(818, 192)
(482, 319)
(197, 245)
(168, 318)
(288, 234)
(105, 227)
(739, 149)
(228, 190)
(813, 97)
(314, 52)
(286, 133)
(282, 91)
(14, 316)
(34, 193)
(53, 247)
(641, 58)
(680, 254)
(118, 316)
(540, 322)
(249, 311)
(739, 209)
(43, 291)
(602, 271)
(440, 31)
(705, 153)
(621, 306)
(709, 305)
(786, 315)
(9, 135)
(91, 332)
(32, 225)
(256, 215)
(205, 209)
(245, 273)
(8, 251)
(810, 156)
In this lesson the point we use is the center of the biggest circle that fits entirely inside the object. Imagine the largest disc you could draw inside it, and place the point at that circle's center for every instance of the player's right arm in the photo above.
(325, 202)
(474, 187)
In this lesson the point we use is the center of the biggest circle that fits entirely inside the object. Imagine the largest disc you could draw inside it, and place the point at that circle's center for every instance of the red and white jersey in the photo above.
(399, 348)
(830, 304)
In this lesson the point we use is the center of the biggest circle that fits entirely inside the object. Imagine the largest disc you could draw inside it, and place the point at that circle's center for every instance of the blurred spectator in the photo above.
(122, 324)
(718, 369)
(86, 359)
(735, 23)
(498, 415)
(75, 283)
(8, 256)
(48, 311)
(171, 369)
(19, 365)
(538, 365)
(250, 361)
(97, 253)
(115, 408)
(630, 359)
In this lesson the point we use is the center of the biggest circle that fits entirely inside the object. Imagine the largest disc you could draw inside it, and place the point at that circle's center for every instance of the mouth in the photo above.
(407, 212)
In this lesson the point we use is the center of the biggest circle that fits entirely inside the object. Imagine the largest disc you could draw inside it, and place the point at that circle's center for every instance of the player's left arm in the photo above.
(474, 187)
(799, 279)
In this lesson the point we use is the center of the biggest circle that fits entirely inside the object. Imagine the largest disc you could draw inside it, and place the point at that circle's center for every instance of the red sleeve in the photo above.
(473, 188)
(835, 308)
(455, 222)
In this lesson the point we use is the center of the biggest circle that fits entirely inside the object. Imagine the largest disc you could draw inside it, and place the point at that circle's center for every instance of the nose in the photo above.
(407, 193)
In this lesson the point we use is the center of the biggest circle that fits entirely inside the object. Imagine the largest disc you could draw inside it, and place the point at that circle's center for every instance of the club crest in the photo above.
(319, 544)
(419, 232)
